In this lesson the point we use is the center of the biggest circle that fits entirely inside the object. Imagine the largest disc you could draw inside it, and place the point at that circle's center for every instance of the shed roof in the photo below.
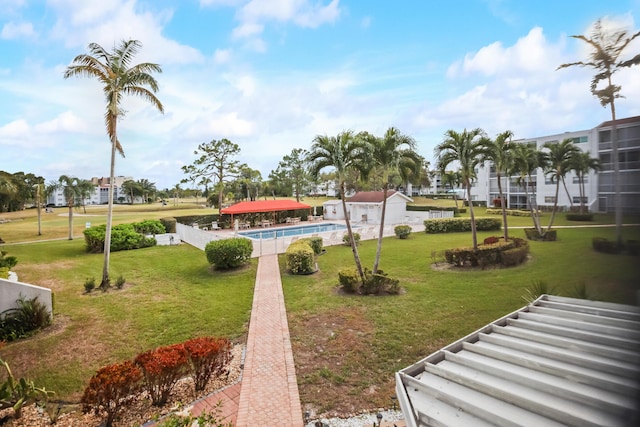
(558, 361)
(374, 196)
(264, 206)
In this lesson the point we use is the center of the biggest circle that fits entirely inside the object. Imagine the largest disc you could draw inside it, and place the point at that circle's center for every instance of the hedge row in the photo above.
(451, 225)
(510, 212)
(600, 244)
(123, 236)
(156, 372)
(301, 255)
(509, 253)
(580, 217)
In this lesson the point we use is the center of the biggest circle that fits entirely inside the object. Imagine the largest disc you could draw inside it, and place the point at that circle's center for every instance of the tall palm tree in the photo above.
(582, 163)
(467, 150)
(559, 157)
(148, 189)
(498, 152)
(344, 153)
(526, 161)
(118, 78)
(607, 49)
(71, 191)
(394, 152)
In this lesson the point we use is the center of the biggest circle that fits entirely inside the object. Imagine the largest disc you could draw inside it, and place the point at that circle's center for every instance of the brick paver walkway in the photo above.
(269, 393)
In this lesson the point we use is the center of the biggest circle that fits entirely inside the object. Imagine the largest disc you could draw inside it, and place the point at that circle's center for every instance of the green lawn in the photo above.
(170, 296)
(439, 307)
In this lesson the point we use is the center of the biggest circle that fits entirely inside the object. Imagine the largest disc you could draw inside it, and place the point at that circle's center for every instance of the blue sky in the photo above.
(270, 75)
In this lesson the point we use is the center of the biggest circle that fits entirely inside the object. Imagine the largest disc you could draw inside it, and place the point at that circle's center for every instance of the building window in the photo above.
(576, 199)
(549, 199)
(548, 180)
(585, 179)
(580, 139)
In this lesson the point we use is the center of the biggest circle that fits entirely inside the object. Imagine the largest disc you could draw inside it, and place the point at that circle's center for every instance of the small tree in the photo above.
(498, 151)
(582, 163)
(559, 164)
(215, 161)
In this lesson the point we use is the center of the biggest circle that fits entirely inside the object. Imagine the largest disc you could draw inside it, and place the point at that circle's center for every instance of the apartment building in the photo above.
(599, 188)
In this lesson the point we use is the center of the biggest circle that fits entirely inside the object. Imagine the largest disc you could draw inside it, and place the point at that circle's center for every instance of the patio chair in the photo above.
(214, 225)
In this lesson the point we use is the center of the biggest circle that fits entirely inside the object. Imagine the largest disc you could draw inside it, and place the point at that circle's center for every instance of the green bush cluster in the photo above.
(314, 242)
(510, 212)
(600, 244)
(347, 241)
(374, 284)
(451, 225)
(7, 261)
(549, 236)
(579, 217)
(123, 236)
(228, 253)
(4, 272)
(28, 317)
(402, 231)
(169, 224)
(516, 251)
(150, 226)
(300, 258)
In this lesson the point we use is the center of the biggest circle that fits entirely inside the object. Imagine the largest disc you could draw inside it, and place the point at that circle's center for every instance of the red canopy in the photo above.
(264, 206)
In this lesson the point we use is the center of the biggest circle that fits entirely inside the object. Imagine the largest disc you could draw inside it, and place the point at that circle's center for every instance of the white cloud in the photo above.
(64, 122)
(80, 23)
(247, 29)
(14, 130)
(12, 30)
(531, 53)
(221, 56)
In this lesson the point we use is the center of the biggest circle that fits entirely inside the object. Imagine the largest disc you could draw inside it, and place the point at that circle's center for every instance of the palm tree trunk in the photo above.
(354, 247)
(504, 208)
(473, 217)
(38, 207)
(582, 192)
(107, 234)
(566, 190)
(536, 224)
(555, 207)
(70, 221)
(616, 173)
(379, 247)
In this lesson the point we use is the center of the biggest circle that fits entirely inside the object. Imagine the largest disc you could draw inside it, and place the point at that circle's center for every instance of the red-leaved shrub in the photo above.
(111, 388)
(208, 356)
(162, 368)
(491, 240)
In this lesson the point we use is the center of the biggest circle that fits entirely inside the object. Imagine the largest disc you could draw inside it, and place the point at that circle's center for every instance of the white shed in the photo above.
(366, 207)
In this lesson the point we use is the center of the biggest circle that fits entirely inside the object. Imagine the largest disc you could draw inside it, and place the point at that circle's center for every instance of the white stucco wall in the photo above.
(11, 291)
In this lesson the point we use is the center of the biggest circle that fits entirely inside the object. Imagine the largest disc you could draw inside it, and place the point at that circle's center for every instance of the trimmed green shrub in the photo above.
(4, 272)
(120, 281)
(315, 243)
(228, 253)
(150, 226)
(490, 254)
(549, 236)
(347, 241)
(169, 224)
(402, 231)
(633, 247)
(349, 279)
(300, 258)
(579, 217)
(379, 283)
(600, 244)
(374, 284)
(451, 225)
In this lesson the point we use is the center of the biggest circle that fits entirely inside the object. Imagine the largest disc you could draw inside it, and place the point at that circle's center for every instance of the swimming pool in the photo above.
(292, 231)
